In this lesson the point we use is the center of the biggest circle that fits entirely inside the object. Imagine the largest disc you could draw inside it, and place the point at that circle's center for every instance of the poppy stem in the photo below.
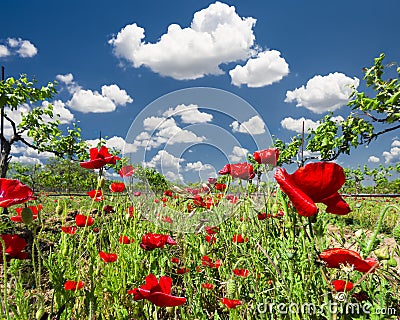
(378, 228)
(5, 293)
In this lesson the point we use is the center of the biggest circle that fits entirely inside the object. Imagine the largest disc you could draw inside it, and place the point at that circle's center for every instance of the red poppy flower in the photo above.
(125, 240)
(167, 219)
(220, 186)
(137, 193)
(117, 187)
(208, 286)
(126, 171)
(108, 209)
(242, 170)
(82, 220)
(97, 195)
(231, 303)
(168, 193)
(342, 285)
(211, 230)
(108, 257)
(206, 261)
(238, 238)
(157, 292)
(69, 230)
(131, 211)
(150, 241)
(267, 156)
(336, 257)
(211, 239)
(198, 201)
(14, 192)
(232, 199)
(35, 211)
(182, 270)
(262, 216)
(360, 296)
(315, 182)
(73, 285)
(174, 260)
(241, 272)
(14, 245)
(99, 158)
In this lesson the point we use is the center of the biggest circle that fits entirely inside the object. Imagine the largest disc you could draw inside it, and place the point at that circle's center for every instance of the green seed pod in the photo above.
(203, 249)
(396, 233)
(244, 228)
(291, 252)
(39, 313)
(100, 182)
(231, 287)
(27, 215)
(382, 253)
(392, 262)
(59, 209)
(170, 310)
(275, 208)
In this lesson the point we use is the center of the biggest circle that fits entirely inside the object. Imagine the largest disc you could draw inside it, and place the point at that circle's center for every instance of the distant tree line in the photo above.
(56, 175)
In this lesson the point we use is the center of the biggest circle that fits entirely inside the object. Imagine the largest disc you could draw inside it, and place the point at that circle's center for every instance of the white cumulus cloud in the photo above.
(87, 101)
(268, 67)
(392, 156)
(4, 52)
(238, 154)
(396, 143)
(255, 125)
(60, 112)
(373, 159)
(297, 124)
(189, 114)
(323, 93)
(217, 35)
(114, 142)
(162, 130)
(19, 47)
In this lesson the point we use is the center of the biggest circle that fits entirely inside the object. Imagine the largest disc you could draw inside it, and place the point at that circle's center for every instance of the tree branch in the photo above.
(375, 135)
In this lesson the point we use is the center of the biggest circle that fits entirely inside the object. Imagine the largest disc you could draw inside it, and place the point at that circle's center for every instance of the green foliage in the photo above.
(57, 175)
(288, 151)
(149, 177)
(378, 176)
(40, 123)
(370, 117)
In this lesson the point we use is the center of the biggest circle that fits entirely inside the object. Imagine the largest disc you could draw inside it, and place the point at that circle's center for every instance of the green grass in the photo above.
(280, 254)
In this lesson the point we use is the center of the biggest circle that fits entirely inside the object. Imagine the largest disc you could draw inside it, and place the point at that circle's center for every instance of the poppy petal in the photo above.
(165, 300)
(304, 204)
(336, 205)
(319, 180)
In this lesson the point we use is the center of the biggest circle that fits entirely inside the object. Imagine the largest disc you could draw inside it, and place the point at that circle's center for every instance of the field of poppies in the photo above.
(231, 248)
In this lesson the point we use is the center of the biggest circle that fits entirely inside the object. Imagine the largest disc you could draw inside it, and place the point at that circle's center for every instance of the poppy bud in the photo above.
(244, 228)
(59, 209)
(203, 249)
(27, 216)
(39, 313)
(231, 287)
(392, 262)
(291, 252)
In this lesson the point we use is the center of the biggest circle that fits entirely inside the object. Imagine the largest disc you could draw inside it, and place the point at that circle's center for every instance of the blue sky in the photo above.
(114, 59)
